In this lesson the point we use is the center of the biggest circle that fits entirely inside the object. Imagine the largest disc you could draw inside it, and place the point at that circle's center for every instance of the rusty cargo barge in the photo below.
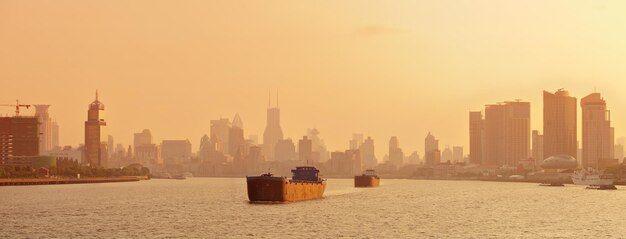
(305, 184)
(367, 180)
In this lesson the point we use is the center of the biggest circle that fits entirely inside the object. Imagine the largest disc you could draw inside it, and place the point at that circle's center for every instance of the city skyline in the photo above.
(394, 74)
(343, 141)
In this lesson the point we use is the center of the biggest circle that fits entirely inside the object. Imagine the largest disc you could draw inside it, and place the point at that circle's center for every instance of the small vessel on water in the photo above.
(367, 179)
(305, 184)
(592, 177)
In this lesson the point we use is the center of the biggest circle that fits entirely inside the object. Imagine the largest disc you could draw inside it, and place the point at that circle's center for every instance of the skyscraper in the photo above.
(176, 151)
(220, 129)
(596, 130)
(55, 135)
(476, 137)
(446, 155)
(559, 124)
(237, 142)
(431, 150)
(95, 135)
(305, 150)
(45, 128)
(273, 133)
(537, 150)
(143, 138)
(457, 154)
(285, 150)
(356, 141)
(368, 153)
(507, 133)
(396, 156)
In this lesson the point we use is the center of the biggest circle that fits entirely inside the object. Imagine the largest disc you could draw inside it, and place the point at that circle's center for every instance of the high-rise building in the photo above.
(55, 135)
(507, 133)
(396, 156)
(457, 154)
(619, 148)
(205, 148)
(143, 138)
(431, 144)
(537, 150)
(368, 153)
(477, 131)
(220, 129)
(305, 150)
(96, 136)
(111, 142)
(597, 133)
(356, 141)
(273, 133)
(19, 136)
(285, 150)
(45, 128)
(559, 124)
(446, 155)
(320, 153)
(175, 151)
(147, 154)
(237, 142)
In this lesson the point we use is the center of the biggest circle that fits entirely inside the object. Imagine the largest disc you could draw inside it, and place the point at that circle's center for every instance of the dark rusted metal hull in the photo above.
(366, 181)
(279, 189)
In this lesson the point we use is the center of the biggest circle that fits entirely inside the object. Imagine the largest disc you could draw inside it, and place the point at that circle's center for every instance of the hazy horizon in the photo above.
(403, 70)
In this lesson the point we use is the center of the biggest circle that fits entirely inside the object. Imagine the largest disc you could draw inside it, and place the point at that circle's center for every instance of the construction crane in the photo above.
(17, 106)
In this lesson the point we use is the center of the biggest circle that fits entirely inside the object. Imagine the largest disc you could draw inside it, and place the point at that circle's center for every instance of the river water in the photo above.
(218, 208)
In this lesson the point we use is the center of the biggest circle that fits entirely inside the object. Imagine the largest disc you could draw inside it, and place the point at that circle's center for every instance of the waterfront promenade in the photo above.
(51, 181)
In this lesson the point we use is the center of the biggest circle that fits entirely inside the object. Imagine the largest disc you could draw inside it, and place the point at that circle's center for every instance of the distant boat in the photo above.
(592, 177)
(367, 179)
(305, 184)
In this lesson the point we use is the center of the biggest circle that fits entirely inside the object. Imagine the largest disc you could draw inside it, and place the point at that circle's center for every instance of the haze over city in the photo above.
(401, 68)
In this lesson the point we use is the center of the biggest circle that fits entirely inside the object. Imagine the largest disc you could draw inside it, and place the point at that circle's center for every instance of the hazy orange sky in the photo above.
(382, 68)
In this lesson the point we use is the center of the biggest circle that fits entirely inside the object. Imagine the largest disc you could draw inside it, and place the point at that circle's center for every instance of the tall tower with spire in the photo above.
(95, 135)
(273, 133)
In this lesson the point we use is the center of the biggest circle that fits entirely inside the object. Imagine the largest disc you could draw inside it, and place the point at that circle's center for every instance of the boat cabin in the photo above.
(305, 173)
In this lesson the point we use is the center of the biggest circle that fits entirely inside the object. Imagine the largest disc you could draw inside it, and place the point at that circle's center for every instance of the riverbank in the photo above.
(53, 181)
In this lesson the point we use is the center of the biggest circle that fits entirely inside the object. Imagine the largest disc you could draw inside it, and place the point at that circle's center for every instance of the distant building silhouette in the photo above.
(457, 154)
(356, 141)
(368, 154)
(45, 128)
(143, 138)
(477, 132)
(220, 130)
(205, 148)
(273, 133)
(95, 135)
(55, 135)
(537, 149)
(597, 134)
(432, 154)
(305, 150)
(285, 150)
(507, 133)
(446, 155)
(559, 124)
(237, 142)
(175, 151)
(347, 163)
(110, 149)
(320, 153)
(396, 156)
